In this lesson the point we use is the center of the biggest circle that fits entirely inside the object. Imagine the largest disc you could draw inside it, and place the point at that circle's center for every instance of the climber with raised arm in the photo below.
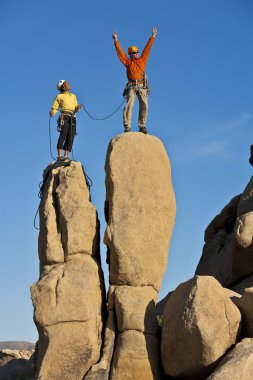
(137, 81)
(67, 103)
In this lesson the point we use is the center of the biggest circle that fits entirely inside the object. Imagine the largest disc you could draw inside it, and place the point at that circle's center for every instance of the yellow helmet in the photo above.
(132, 49)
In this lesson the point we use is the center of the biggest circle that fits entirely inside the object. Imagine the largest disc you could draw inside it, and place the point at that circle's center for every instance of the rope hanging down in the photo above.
(41, 188)
(50, 143)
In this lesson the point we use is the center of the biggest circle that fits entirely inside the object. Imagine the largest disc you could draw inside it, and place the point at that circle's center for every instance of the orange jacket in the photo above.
(132, 70)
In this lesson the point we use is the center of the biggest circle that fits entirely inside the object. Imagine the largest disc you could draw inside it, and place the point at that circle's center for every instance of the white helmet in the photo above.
(59, 84)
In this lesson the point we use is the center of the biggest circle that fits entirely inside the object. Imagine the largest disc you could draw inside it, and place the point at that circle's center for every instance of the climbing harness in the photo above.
(145, 78)
(136, 83)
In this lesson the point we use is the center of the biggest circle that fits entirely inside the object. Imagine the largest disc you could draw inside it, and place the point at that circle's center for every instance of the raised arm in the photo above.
(150, 42)
(121, 54)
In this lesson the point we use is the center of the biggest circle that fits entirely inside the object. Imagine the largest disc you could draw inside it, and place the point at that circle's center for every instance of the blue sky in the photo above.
(200, 70)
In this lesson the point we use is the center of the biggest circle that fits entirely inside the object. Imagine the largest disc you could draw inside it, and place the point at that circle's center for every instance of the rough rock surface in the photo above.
(68, 220)
(245, 304)
(16, 365)
(246, 200)
(228, 250)
(101, 370)
(141, 209)
(68, 298)
(247, 282)
(200, 323)
(237, 364)
(135, 308)
(136, 357)
(68, 292)
(137, 350)
(140, 212)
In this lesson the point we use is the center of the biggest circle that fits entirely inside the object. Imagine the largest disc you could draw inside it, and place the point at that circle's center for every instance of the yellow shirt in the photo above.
(66, 101)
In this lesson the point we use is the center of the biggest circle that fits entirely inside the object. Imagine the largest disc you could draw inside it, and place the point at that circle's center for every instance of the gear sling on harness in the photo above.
(134, 84)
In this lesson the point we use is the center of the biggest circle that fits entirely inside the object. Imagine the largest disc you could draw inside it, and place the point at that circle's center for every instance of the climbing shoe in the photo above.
(143, 130)
(127, 129)
(63, 158)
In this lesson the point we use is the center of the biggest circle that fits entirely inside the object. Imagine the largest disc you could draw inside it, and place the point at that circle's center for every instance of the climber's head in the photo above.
(63, 86)
(133, 52)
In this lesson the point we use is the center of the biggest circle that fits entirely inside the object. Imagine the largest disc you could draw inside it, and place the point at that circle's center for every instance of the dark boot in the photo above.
(143, 130)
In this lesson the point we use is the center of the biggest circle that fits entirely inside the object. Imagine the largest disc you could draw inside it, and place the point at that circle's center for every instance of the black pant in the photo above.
(67, 134)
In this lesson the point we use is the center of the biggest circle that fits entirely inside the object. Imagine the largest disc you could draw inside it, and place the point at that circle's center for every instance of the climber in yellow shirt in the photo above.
(67, 103)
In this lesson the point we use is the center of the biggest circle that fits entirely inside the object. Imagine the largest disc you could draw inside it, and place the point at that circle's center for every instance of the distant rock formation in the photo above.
(16, 364)
(140, 212)
(228, 251)
(206, 327)
(68, 298)
(17, 345)
(7, 355)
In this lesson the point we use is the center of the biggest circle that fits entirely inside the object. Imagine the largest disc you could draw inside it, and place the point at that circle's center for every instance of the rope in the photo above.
(50, 143)
(71, 138)
(41, 188)
(34, 220)
(106, 117)
(88, 180)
